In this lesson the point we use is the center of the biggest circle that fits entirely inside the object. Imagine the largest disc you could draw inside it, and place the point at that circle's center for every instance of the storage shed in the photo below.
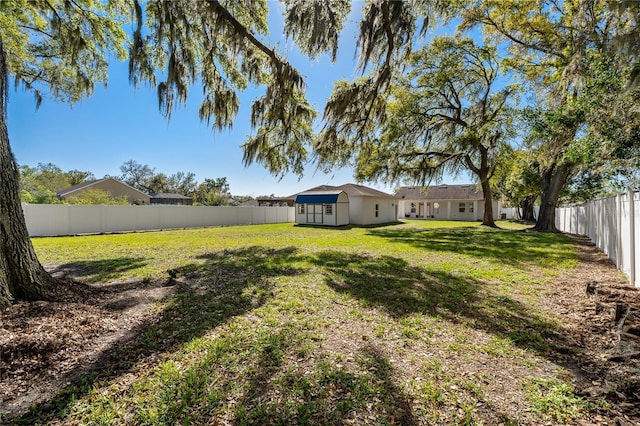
(359, 205)
(329, 208)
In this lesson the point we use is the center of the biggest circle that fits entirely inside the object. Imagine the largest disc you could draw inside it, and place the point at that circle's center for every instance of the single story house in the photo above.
(111, 185)
(173, 199)
(348, 204)
(450, 202)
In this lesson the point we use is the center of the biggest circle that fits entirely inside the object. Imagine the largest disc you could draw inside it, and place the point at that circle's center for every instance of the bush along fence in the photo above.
(613, 224)
(68, 219)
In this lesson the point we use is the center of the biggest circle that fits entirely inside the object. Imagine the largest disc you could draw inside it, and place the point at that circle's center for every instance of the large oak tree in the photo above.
(553, 46)
(450, 112)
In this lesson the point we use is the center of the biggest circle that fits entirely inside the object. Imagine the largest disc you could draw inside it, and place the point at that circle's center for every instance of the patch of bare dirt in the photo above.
(601, 313)
(47, 346)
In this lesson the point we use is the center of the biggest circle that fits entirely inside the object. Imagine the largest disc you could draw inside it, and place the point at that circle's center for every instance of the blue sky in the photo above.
(117, 124)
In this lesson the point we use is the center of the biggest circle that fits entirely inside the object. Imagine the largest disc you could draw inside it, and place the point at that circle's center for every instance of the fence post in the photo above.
(619, 231)
(632, 237)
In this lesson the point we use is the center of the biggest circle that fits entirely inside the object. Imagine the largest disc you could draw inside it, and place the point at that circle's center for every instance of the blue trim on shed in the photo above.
(317, 198)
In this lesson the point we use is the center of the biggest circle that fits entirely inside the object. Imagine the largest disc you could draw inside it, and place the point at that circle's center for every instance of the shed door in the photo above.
(314, 213)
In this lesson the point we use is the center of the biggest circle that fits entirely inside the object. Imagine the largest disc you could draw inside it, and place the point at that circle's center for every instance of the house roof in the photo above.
(353, 190)
(168, 196)
(440, 192)
(89, 183)
(318, 197)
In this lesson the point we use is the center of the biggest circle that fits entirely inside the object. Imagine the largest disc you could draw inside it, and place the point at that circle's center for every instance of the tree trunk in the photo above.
(21, 275)
(527, 205)
(554, 179)
(483, 172)
(487, 218)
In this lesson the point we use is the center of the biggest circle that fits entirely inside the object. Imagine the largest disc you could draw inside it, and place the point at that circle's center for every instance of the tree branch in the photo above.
(248, 35)
(30, 28)
(511, 37)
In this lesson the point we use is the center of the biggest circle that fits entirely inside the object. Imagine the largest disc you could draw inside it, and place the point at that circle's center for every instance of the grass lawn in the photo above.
(423, 322)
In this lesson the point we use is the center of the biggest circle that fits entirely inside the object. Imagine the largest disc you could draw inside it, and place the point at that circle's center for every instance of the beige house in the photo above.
(113, 186)
(450, 202)
(348, 204)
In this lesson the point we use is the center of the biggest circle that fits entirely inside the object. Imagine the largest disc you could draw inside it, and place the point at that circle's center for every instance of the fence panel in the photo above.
(613, 224)
(47, 219)
(65, 219)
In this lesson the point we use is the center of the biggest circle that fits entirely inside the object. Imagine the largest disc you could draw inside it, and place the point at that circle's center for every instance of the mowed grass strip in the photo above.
(423, 322)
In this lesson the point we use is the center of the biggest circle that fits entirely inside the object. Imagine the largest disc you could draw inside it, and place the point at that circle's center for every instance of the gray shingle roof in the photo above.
(167, 196)
(440, 192)
(352, 190)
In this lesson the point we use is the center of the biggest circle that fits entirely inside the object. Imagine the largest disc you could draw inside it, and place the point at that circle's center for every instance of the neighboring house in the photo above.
(347, 204)
(277, 201)
(174, 199)
(249, 203)
(113, 186)
(451, 202)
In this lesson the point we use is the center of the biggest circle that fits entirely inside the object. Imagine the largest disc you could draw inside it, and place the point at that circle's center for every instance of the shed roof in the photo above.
(318, 197)
(441, 192)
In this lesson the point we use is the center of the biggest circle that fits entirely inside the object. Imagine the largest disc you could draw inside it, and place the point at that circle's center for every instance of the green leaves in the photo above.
(446, 114)
(284, 129)
(315, 26)
(61, 47)
(356, 111)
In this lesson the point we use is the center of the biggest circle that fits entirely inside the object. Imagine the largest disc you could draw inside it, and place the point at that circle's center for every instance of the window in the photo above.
(470, 207)
(300, 208)
(461, 207)
(328, 209)
(377, 210)
(413, 207)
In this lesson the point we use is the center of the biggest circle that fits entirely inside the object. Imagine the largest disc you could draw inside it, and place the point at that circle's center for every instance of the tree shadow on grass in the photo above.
(401, 290)
(328, 394)
(219, 286)
(271, 380)
(99, 270)
(504, 246)
(348, 227)
(269, 389)
(215, 291)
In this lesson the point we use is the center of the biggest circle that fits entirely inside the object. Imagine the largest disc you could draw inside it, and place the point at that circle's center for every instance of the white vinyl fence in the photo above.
(66, 219)
(613, 224)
